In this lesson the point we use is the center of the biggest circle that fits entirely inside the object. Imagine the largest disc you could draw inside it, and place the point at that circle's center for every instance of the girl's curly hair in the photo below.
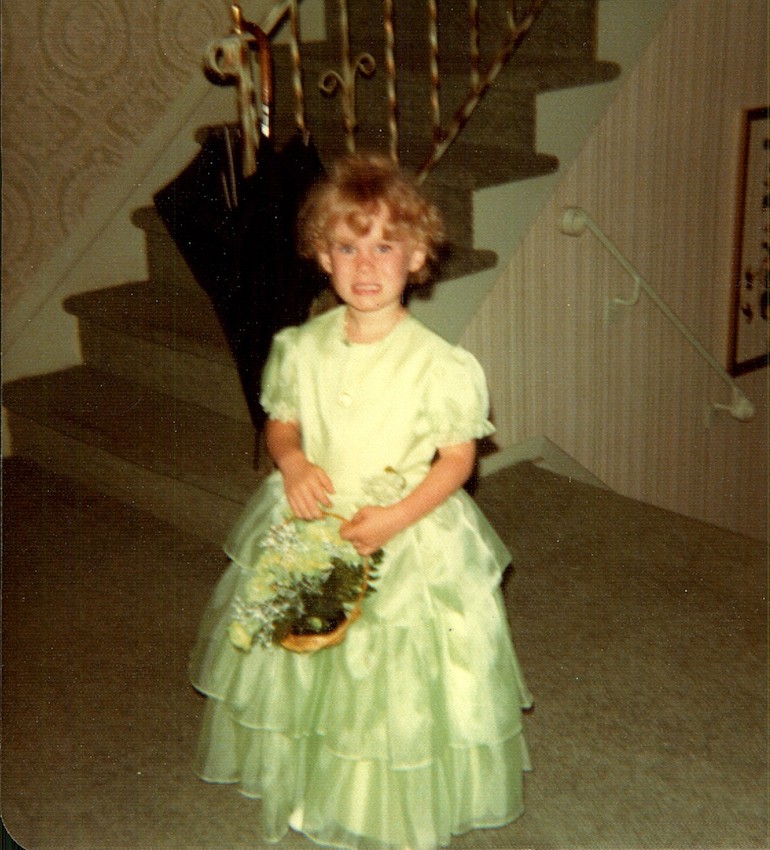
(355, 192)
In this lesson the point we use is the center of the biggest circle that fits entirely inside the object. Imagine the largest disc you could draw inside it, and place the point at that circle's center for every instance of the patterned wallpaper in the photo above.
(83, 83)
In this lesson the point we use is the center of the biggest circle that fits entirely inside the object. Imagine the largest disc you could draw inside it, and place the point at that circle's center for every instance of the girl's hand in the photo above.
(307, 488)
(371, 528)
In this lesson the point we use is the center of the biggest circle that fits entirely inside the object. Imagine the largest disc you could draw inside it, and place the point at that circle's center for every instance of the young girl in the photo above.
(409, 731)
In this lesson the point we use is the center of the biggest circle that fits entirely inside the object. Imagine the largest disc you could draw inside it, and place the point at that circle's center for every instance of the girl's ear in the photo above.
(417, 261)
(325, 261)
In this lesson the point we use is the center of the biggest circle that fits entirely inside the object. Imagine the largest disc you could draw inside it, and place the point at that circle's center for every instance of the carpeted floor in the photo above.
(643, 636)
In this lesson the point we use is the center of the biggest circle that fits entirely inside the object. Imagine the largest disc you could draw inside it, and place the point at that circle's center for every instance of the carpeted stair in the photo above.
(155, 415)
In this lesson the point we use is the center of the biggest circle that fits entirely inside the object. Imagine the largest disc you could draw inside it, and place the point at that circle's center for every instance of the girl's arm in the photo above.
(307, 486)
(373, 526)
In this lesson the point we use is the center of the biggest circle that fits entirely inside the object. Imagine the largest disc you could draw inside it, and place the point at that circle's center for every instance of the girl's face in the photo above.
(369, 272)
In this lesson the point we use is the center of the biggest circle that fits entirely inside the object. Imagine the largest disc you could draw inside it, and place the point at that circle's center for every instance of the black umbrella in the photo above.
(237, 234)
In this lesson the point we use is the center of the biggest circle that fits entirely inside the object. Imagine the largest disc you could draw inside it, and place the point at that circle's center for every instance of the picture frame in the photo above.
(748, 343)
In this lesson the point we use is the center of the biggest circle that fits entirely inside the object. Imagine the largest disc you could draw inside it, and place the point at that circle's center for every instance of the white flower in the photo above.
(385, 488)
(259, 588)
(239, 635)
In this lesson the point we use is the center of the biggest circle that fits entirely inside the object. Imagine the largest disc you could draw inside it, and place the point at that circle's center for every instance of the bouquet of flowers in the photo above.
(305, 588)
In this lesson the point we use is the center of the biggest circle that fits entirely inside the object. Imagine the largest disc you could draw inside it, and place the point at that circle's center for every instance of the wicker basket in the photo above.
(314, 642)
(307, 643)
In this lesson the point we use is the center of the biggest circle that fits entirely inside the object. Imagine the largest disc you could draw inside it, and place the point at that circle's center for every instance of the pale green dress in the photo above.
(409, 731)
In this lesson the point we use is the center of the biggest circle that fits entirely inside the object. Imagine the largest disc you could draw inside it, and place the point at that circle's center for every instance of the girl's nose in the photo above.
(365, 259)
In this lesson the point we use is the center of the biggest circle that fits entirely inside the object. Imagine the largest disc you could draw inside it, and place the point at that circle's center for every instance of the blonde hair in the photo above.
(359, 186)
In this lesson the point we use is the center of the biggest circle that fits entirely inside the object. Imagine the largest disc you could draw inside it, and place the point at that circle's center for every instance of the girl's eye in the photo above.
(384, 248)
(345, 248)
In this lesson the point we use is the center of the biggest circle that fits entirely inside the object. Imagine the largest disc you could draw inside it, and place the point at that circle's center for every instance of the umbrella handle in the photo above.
(230, 59)
(265, 65)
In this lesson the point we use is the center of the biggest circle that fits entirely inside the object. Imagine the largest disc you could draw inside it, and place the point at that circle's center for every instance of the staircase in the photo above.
(155, 414)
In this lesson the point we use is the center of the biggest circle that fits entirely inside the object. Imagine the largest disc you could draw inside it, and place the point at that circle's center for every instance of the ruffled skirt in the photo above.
(406, 733)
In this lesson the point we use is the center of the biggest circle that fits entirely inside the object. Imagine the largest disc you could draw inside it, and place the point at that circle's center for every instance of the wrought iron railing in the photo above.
(233, 59)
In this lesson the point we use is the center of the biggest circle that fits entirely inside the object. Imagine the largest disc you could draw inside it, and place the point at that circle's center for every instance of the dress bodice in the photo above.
(373, 414)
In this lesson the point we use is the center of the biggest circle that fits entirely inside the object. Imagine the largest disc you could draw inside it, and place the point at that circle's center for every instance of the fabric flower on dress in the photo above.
(384, 489)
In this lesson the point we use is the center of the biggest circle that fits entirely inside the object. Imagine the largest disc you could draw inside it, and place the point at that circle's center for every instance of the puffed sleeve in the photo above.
(279, 396)
(457, 406)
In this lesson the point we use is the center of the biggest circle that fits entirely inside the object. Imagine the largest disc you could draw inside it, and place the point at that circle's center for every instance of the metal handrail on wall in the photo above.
(574, 222)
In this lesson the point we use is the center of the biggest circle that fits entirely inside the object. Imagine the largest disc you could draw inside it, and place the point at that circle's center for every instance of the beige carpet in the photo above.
(643, 636)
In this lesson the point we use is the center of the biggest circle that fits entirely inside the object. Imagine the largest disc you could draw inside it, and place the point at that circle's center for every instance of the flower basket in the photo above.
(305, 588)
(320, 640)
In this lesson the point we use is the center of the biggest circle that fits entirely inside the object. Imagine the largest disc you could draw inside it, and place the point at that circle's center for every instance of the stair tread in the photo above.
(523, 73)
(161, 314)
(547, 74)
(458, 262)
(143, 427)
(147, 217)
(495, 164)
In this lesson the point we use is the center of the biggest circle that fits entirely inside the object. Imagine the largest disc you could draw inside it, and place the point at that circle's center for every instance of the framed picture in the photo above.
(748, 321)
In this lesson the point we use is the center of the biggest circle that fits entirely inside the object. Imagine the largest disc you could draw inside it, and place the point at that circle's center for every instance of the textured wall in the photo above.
(659, 175)
(83, 83)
